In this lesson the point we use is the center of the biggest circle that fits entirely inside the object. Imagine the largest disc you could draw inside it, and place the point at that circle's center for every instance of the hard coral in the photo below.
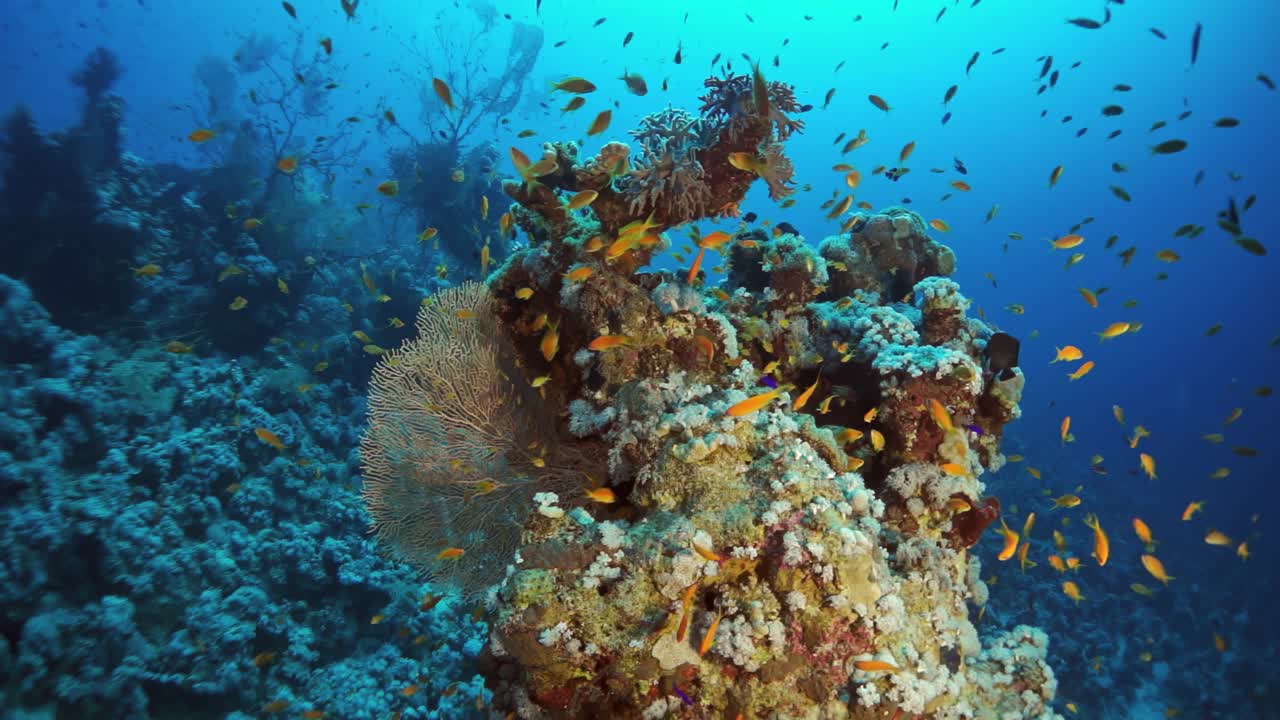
(728, 102)
(668, 178)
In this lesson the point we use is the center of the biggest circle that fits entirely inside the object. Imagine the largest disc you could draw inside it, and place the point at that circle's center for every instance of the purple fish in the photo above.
(769, 382)
(975, 430)
(683, 697)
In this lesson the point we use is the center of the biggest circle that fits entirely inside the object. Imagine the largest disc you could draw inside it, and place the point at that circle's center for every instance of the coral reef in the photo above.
(793, 476)
(159, 557)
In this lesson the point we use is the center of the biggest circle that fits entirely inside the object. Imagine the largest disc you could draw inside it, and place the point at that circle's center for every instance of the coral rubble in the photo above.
(790, 466)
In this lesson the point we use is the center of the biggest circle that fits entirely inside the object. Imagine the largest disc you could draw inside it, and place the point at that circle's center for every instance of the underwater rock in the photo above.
(887, 253)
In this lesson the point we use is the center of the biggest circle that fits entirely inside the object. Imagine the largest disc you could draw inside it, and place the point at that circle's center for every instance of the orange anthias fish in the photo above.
(804, 396)
(601, 123)
(201, 135)
(608, 342)
(1101, 544)
(1065, 429)
(390, 188)
(550, 341)
(1148, 465)
(755, 402)
(1071, 590)
(940, 415)
(269, 438)
(1115, 329)
(1066, 242)
(451, 553)
(875, 666)
(602, 495)
(1144, 533)
(443, 92)
(1067, 353)
(1010, 541)
(1156, 568)
(1081, 371)
(287, 165)
(1192, 508)
(710, 637)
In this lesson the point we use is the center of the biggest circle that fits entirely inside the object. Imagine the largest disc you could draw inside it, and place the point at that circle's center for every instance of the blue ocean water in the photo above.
(160, 557)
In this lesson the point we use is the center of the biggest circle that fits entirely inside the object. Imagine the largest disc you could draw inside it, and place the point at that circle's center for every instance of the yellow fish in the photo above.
(1148, 465)
(1156, 568)
(1067, 353)
(1101, 544)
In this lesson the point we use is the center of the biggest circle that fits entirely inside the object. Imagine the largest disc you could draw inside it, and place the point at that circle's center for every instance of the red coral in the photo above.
(967, 527)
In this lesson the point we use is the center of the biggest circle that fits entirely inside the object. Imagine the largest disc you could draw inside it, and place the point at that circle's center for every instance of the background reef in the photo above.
(223, 359)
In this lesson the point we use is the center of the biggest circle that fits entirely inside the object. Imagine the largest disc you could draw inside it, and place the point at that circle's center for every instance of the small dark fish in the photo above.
(1053, 79)
(1184, 114)
(1195, 43)
(749, 18)
(827, 101)
(1157, 33)
(1002, 355)
(768, 381)
(1041, 90)
(1263, 391)
(1244, 451)
(775, 61)
(1075, 64)
(786, 42)
(537, 7)
(1262, 78)
(975, 430)
(940, 13)
(946, 117)
(1232, 214)
(664, 83)
(973, 59)
(806, 107)
(951, 92)
(1121, 193)
(1066, 119)
(1122, 88)
(1111, 242)
(960, 168)
(1114, 134)
(679, 52)
(1112, 110)
(1085, 23)
(1048, 63)
(1157, 125)
(1168, 147)
(1082, 131)
(885, 45)
(749, 217)
(839, 65)
(1226, 122)
(1127, 255)
(560, 43)
(1199, 177)
(997, 51)
(1248, 203)
(627, 40)
(838, 139)
(289, 9)
(599, 22)
(1251, 246)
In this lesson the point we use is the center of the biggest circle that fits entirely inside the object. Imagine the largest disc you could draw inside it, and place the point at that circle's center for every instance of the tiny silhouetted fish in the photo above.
(599, 22)
(972, 60)
(1195, 43)
(945, 118)
(1085, 23)
(627, 40)
(1157, 33)
(1262, 78)
(940, 13)
(1002, 354)
(1048, 63)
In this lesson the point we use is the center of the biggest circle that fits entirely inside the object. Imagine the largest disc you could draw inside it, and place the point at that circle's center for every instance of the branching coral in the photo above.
(668, 177)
